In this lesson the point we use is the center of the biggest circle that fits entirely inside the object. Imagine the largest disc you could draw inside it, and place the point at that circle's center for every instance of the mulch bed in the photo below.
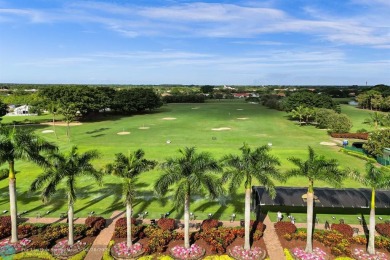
(302, 244)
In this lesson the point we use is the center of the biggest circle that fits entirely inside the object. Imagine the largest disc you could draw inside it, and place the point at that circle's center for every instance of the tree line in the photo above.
(188, 173)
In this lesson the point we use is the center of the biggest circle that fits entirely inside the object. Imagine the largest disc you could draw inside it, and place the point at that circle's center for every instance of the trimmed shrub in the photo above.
(288, 254)
(363, 136)
(166, 224)
(122, 222)
(107, 255)
(383, 229)
(208, 224)
(95, 222)
(40, 254)
(284, 227)
(344, 229)
(257, 225)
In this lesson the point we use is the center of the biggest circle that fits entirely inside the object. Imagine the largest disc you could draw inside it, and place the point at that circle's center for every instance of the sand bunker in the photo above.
(169, 118)
(221, 129)
(143, 127)
(328, 143)
(240, 109)
(195, 108)
(62, 123)
(47, 131)
(242, 118)
(123, 133)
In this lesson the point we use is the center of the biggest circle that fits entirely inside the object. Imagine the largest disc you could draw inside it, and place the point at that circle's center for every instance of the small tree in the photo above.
(128, 168)
(190, 173)
(315, 168)
(375, 178)
(257, 164)
(66, 167)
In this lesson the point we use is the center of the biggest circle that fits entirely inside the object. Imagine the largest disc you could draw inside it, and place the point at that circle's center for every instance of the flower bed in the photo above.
(7, 246)
(317, 254)
(121, 250)
(192, 253)
(255, 253)
(360, 254)
(62, 249)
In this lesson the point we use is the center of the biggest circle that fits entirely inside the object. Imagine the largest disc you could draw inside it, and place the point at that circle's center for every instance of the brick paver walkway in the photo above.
(101, 242)
(271, 240)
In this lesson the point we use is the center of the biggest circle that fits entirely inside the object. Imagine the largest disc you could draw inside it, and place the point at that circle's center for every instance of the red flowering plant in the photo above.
(344, 229)
(284, 227)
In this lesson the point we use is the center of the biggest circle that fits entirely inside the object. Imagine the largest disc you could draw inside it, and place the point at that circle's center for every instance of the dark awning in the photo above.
(326, 197)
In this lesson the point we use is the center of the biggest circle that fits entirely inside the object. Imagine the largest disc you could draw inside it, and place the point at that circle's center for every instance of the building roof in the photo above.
(326, 197)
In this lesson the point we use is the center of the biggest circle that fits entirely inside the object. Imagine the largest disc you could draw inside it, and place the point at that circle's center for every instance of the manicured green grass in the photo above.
(357, 116)
(192, 127)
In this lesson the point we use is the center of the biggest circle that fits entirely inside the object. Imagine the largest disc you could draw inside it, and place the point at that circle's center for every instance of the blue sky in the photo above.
(293, 42)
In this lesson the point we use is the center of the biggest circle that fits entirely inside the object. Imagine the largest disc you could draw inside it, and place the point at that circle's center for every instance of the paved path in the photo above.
(271, 240)
(101, 242)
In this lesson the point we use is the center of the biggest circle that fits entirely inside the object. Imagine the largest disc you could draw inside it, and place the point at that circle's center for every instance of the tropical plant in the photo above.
(67, 168)
(257, 164)
(20, 144)
(190, 173)
(128, 168)
(376, 119)
(315, 168)
(375, 178)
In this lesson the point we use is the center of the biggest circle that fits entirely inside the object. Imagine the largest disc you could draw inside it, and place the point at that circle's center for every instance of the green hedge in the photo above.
(41, 254)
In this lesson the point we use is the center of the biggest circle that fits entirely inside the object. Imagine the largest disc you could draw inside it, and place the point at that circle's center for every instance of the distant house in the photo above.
(19, 111)
(241, 95)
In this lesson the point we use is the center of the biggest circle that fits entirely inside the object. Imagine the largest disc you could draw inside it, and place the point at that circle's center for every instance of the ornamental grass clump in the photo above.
(317, 254)
(255, 253)
(192, 253)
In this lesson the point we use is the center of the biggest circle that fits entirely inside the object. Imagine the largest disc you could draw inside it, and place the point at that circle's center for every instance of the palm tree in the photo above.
(257, 164)
(375, 178)
(66, 167)
(128, 168)
(21, 144)
(376, 119)
(189, 173)
(315, 168)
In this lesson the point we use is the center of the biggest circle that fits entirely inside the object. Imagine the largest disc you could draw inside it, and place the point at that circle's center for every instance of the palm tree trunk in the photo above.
(247, 244)
(12, 202)
(187, 221)
(309, 223)
(70, 225)
(371, 236)
(54, 126)
(68, 130)
(128, 224)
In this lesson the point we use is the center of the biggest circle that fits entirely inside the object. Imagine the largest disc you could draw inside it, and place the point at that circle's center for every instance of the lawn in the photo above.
(192, 126)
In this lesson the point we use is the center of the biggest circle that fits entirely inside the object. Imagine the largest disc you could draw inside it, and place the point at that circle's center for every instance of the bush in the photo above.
(284, 227)
(95, 222)
(257, 225)
(383, 229)
(107, 255)
(122, 222)
(166, 224)
(208, 224)
(288, 254)
(5, 226)
(344, 229)
(79, 256)
(26, 230)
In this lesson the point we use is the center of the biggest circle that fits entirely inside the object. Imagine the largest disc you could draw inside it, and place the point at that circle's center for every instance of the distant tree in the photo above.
(128, 101)
(207, 89)
(376, 119)
(308, 99)
(340, 123)
(377, 141)
(69, 111)
(3, 109)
